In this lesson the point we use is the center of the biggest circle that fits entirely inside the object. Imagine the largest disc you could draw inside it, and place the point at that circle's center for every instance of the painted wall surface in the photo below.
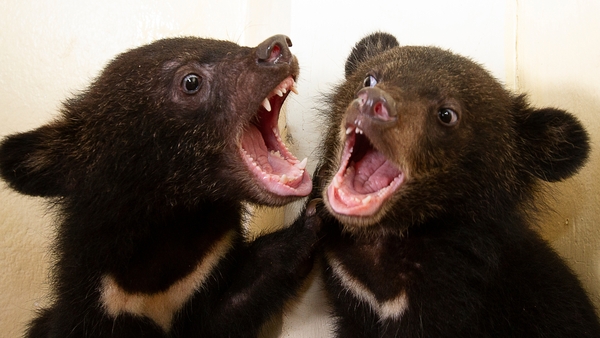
(50, 50)
(558, 64)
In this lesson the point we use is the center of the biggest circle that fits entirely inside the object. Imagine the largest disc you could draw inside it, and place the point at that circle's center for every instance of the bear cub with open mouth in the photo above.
(147, 170)
(428, 173)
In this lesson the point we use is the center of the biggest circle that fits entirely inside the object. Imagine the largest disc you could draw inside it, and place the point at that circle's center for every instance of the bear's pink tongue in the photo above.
(270, 161)
(272, 164)
(371, 174)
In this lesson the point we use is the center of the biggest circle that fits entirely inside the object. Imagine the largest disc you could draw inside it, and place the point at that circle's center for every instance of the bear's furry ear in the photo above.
(555, 143)
(368, 47)
(27, 164)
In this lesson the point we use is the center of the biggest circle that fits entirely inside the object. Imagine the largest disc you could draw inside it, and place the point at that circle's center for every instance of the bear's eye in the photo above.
(191, 83)
(447, 116)
(370, 81)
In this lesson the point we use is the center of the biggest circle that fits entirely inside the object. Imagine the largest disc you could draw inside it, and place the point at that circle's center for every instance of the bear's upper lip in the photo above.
(265, 154)
(365, 178)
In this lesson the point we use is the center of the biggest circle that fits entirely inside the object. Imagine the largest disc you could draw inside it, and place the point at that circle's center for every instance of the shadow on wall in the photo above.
(572, 217)
(26, 231)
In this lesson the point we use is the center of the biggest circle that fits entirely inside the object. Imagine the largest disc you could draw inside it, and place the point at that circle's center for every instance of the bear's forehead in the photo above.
(180, 50)
(423, 57)
(429, 71)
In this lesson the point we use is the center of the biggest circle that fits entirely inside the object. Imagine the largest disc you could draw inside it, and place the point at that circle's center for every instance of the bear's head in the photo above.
(175, 122)
(420, 132)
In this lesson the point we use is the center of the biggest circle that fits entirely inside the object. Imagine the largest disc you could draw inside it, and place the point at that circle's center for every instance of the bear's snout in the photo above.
(377, 104)
(275, 50)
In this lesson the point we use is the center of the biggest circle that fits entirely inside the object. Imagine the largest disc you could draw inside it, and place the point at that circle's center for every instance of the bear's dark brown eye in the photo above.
(191, 83)
(370, 81)
(447, 116)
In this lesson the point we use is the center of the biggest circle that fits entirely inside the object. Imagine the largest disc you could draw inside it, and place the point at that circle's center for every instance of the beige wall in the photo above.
(558, 64)
(51, 49)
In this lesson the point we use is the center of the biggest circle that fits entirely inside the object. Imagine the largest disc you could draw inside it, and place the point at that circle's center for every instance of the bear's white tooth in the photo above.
(266, 104)
(294, 89)
(284, 90)
(283, 179)
(349, 130)
(367, 199)
(279, 92)
(349, 171)
(302, 165)
(358, 130)
(336, 182)
(277, 154)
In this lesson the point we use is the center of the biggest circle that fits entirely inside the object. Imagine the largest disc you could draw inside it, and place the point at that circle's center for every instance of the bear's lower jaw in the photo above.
(278, 175)
(343, 200)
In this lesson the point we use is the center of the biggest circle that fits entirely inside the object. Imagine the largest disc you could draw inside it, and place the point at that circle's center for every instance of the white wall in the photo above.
(49, 50)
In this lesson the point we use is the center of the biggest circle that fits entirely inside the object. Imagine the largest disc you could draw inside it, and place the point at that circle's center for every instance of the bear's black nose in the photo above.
(376, 103)
(274, 49)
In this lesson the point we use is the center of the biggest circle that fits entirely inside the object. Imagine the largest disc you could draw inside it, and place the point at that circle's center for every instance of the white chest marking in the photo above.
(161, 307)
(389, 309)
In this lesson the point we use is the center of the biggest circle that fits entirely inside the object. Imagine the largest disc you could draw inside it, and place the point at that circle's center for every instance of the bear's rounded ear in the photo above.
(27, 165)
(368, 47)
(555, 143)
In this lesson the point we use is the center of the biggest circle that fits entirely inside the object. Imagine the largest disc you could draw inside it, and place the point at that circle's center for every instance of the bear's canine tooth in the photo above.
(266, 104)
(294, 89)
(302, 165)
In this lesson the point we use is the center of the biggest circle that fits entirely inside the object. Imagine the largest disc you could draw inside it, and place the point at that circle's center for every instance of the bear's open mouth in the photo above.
(274, 166)
(365, 180)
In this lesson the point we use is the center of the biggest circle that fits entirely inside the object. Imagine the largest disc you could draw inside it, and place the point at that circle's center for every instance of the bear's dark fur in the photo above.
(428, 172)
(148, 170)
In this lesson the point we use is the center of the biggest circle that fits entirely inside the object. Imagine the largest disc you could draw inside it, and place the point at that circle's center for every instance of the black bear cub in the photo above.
(148, 169)
(429, 169)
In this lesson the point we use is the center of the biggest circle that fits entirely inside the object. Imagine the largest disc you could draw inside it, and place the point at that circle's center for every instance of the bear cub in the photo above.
(148, 170)
(429, 171)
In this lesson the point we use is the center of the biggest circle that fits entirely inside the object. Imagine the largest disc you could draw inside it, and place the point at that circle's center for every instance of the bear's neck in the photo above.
(144, 252)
